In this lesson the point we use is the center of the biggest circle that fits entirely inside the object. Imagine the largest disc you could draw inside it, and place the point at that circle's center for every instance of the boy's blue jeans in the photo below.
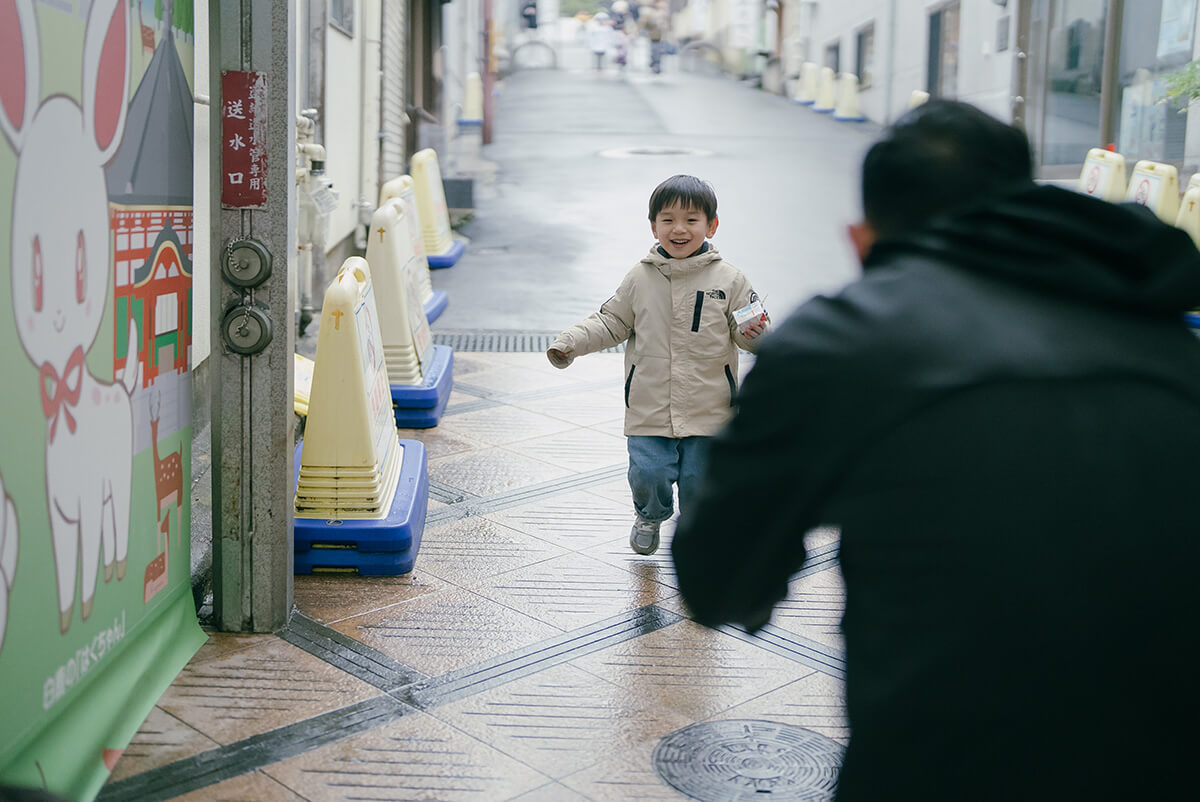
(655, 463)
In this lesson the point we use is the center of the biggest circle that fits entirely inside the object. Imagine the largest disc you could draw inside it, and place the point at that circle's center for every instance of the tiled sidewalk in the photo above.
(530, 654)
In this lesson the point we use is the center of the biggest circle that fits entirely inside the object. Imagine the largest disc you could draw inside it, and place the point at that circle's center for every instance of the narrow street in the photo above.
(576, 155)
(530, 654)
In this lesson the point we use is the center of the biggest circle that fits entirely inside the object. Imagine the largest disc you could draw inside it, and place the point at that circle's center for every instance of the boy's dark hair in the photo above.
(686, 190)
(939, 158)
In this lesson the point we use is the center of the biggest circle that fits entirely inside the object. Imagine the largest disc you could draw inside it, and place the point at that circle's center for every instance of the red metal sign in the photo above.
(243, 140)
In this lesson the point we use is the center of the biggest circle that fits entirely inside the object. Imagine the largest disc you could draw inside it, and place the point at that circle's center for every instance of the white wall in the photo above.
(984, 76)
(343, 143)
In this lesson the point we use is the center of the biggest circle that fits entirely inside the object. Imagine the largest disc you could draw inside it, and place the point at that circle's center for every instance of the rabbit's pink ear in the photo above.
(105, 75)
(18, 67)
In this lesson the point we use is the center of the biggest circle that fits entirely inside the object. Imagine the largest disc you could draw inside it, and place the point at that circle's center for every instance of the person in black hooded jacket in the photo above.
(1003, 418)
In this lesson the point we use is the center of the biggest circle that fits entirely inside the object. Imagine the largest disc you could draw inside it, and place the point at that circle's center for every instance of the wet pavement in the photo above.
(530, 654)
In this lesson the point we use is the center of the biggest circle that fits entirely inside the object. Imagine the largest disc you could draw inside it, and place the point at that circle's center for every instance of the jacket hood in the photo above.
(1067, 243)
(669, 266)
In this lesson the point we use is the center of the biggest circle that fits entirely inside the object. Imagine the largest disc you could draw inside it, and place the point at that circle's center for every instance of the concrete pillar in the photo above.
(252, 426)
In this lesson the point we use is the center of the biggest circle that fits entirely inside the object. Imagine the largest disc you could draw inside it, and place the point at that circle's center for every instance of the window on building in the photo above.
(166, 314)
(833, 56)
(864, 64)
(1075, 100)
(1157, 38)
(1066, 44)
(943, 51)
(341, 15)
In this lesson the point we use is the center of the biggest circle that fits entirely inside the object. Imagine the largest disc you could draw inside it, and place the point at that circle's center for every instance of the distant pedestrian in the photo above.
(600, 38)
(1003, 418)
(676, 310)
(654, 21)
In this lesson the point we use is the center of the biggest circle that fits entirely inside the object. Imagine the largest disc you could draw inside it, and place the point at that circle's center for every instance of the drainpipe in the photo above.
(1110, 78)
(368, 123)
(488, 71)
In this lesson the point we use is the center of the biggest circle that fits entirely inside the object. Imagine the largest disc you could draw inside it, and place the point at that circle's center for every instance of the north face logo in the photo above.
(718, 295)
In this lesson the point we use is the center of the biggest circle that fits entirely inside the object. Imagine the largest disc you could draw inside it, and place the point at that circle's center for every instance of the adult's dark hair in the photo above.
(940, 157)
(687, 190)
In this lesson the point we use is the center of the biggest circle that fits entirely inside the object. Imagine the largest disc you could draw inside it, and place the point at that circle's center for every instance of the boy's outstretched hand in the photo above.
(558, 358)
(754, 330)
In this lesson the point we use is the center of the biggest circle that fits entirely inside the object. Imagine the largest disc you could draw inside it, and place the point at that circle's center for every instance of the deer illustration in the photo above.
(61, 277)
(168, 474)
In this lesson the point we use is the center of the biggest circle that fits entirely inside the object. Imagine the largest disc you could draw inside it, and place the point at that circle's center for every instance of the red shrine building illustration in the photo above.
(151, 220)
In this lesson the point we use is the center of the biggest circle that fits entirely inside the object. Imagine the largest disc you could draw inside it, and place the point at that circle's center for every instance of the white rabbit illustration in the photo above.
(8, 555)
(60, 280)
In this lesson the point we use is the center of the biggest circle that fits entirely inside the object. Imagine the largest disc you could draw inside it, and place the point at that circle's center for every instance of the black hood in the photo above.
(1066, 243)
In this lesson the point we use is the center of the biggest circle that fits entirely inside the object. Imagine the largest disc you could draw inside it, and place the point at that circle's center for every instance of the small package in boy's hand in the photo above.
(748, 314)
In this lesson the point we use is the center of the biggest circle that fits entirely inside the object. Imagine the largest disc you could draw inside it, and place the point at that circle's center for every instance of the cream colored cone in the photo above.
(847, 101)
(826, 91)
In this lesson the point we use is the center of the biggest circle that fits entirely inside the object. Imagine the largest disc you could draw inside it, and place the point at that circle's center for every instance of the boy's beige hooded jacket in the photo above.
(681, 361)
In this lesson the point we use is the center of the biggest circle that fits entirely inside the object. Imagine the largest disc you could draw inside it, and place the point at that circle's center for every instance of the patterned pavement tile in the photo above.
(583, 408)
(416, 757)
(561, 719)
(575, 521)
(328, 598)
(813, 607)
(458, 398)
(551, 792)
(257, 689)
(467, 363)
(657, 566)
(695, 671)
(497, 425)
(491, 471)
(222, 643)
(824, 536)
(254, 787)
(161, 739)
(572, 591)
(615, 427)
(623, 777)
(440, 441)
(469, 550)
(617, 490)
(446, 630)
(816, 702)
(594, 368)
(513, 379)
(579, 449)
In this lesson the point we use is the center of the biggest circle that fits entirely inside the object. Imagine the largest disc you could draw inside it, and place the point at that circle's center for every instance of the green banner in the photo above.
(96, 232)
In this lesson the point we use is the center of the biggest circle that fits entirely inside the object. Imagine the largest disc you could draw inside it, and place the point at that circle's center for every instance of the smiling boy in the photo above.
(676, 309)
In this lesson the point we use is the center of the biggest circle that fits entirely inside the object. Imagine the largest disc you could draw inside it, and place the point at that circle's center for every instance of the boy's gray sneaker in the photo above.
(643, 538)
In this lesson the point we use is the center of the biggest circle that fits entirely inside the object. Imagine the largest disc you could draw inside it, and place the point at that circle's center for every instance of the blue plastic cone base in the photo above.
(437, 261)
(436, 305)
(385, 545)
(470, 122)
(1192, 319)
(420, 406)
(822, 111)
(840, 118)
(806, 102)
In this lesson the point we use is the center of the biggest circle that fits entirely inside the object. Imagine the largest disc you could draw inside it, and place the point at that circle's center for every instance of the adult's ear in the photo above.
(863, 237)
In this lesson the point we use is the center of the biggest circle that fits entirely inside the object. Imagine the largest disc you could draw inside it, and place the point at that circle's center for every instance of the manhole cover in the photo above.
(629, 153)
(738, 761)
